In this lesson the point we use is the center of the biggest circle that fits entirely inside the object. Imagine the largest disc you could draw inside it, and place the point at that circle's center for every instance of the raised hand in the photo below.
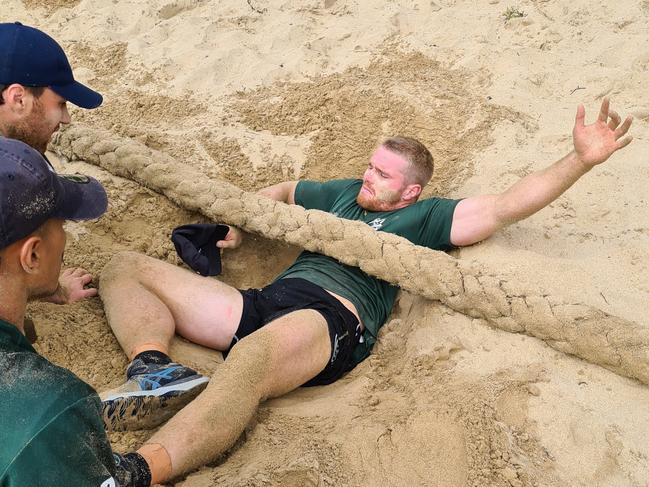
(596, 142)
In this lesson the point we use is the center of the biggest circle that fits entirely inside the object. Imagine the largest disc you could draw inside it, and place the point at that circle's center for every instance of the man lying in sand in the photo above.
(319, 318)
(35, 82)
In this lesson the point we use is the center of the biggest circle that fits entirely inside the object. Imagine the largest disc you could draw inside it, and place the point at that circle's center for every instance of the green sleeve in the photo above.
(437, 222)
(71, 450)
(316, 195)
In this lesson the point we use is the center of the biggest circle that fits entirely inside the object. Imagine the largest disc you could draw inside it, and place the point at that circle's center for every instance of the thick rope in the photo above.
(578, 329)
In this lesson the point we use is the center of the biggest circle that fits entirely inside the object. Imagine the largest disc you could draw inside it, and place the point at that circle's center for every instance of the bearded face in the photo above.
(376, 199)
(37, 127)
(384, 182)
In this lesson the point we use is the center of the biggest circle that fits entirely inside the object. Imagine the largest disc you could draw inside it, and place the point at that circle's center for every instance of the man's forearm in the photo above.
(479, 217)
(283, 192)
(539, 189)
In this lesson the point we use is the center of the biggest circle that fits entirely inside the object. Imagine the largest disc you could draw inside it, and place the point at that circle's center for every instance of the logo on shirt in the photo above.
(109, 483)
(377, 223)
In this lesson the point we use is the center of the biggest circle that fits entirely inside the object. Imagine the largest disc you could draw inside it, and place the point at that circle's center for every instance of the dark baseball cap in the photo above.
(31, 193)
(30, 57)
(196, 246)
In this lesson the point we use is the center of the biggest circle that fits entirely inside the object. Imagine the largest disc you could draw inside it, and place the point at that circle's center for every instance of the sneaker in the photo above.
(150, 396)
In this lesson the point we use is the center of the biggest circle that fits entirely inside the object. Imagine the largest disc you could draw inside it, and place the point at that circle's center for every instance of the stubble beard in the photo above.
(378, 202)
(33, 130)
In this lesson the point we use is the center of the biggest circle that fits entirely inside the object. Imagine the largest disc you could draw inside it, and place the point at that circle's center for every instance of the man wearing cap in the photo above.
(36, 81)
(50, 424)
(319, 318)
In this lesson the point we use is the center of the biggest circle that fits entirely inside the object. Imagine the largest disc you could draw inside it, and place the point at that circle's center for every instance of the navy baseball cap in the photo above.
(30, 57)
(31, 193)
(196, 246)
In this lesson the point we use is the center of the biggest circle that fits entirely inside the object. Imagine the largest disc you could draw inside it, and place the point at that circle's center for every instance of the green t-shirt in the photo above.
(50, 425)
(427, 223)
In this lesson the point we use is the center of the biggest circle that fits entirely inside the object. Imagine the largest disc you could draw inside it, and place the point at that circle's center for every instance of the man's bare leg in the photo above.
(268, 363)
(148, 300)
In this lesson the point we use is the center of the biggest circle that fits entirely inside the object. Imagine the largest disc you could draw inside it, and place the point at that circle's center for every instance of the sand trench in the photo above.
(305, 90)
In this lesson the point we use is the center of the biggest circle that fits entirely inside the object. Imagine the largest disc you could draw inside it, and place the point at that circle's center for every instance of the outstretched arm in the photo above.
(479, 217)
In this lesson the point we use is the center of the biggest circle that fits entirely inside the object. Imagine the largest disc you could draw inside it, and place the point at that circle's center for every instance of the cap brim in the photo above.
(80, 198)
(79, 94)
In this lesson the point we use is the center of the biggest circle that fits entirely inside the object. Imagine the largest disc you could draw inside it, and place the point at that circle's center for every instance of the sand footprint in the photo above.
(174, 8)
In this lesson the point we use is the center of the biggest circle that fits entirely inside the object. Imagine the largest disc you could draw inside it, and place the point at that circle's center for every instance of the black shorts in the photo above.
(261, 306)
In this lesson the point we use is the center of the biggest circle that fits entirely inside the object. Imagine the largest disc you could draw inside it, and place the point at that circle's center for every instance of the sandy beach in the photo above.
(252, 93)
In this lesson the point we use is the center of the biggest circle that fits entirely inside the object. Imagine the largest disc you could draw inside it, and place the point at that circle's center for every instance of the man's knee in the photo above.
(251, 360)
(123, 265)
(255, 350)
(282, 356)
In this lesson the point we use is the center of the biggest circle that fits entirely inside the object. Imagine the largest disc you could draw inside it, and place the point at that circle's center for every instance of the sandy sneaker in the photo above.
(150, 396)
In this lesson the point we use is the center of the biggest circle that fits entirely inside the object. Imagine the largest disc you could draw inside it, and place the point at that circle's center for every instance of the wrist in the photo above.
(57, 297)
(578, 163)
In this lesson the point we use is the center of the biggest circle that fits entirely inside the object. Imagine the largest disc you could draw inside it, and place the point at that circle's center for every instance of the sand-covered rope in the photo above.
(585, 331)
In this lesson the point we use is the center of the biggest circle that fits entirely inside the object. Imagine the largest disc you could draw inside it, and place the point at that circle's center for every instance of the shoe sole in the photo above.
(148, 409)
(177, 386)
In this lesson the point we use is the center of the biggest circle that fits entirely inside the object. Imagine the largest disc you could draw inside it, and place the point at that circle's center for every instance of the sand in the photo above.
(253, 93)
